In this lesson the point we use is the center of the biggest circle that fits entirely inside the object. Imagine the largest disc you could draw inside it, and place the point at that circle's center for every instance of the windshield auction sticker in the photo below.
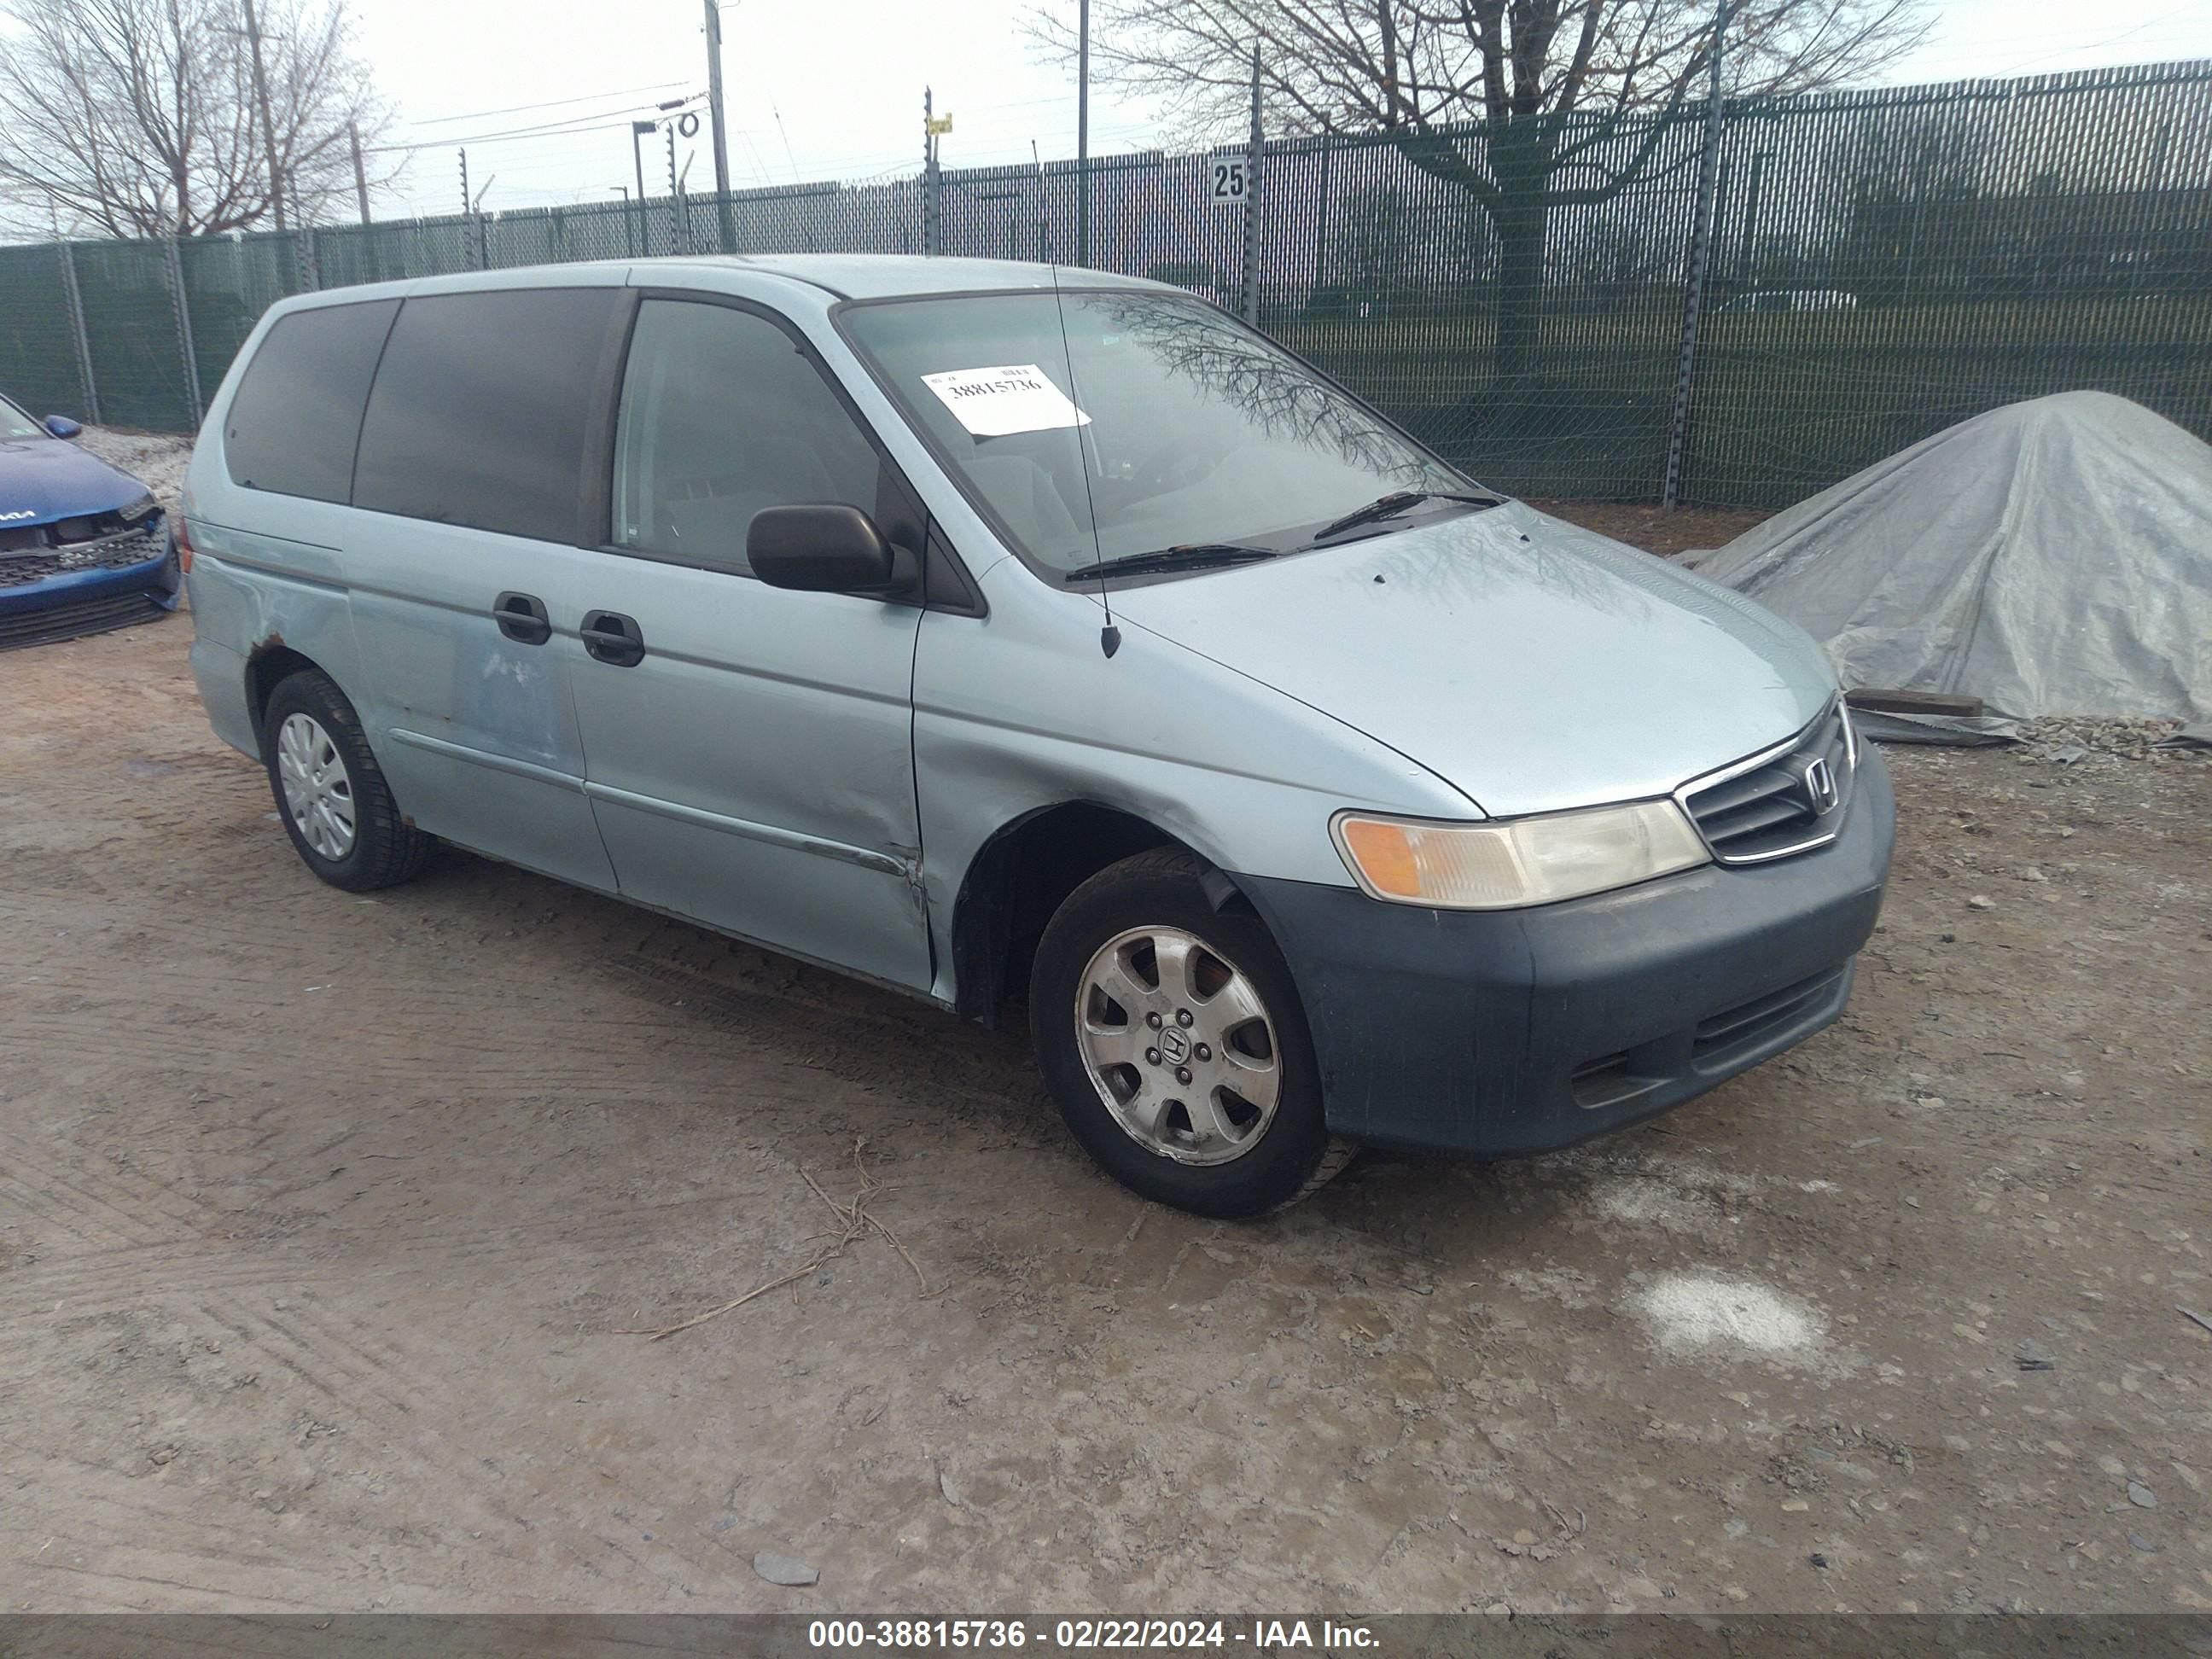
(996, 403)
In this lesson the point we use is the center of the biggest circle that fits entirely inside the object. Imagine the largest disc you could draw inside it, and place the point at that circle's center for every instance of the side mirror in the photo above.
(818, 548)
(62, 427)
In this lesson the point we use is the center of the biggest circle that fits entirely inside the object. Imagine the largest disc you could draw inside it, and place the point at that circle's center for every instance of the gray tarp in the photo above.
(2051, 557)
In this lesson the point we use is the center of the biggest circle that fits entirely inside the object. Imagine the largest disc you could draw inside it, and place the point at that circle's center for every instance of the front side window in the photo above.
(1152, 420)
(722, 415)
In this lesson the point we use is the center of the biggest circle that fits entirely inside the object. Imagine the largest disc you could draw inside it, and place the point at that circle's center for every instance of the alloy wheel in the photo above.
(1179, 1044)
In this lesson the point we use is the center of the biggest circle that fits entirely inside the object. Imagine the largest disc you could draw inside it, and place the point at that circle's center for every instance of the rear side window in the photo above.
(480, 410)
(293, 425)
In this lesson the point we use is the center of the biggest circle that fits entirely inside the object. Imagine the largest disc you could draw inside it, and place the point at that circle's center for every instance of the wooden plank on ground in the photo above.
(1913, 703)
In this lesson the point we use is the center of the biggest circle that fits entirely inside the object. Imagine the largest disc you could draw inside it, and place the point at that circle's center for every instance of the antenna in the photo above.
(1109, 637)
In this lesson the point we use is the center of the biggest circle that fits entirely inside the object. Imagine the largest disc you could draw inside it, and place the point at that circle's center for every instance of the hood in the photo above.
(46, 478)
(1532, 665)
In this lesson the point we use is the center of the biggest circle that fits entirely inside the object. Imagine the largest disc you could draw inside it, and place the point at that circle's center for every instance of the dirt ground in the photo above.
(328, 1225)
(1669, 532)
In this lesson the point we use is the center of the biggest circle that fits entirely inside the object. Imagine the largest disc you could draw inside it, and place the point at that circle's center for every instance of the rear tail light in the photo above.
(184, 534)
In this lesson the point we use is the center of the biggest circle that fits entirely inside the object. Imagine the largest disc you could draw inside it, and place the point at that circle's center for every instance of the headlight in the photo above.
(144, 506)
(1521, 861)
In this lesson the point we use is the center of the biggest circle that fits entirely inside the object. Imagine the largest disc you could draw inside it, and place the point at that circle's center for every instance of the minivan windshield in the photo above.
(1154, 423)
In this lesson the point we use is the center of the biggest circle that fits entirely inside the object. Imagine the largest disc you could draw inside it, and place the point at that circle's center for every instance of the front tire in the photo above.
(330, 792)
(1172, 1038)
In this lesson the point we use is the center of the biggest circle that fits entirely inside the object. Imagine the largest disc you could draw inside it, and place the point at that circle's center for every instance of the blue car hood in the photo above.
(44, 478)
(1534, 665)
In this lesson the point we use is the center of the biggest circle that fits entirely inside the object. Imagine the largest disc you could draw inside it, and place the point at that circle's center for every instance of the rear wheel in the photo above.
(1173, 1040)
(330, 791)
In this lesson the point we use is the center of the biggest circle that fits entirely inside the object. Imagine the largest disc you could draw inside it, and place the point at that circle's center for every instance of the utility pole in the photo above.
(1701, 248)
(1083, 132)
(725, 232)
(268, 124)
(360, 173)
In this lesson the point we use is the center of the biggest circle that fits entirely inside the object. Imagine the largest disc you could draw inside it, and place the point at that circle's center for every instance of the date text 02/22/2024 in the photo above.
(1075, 1635)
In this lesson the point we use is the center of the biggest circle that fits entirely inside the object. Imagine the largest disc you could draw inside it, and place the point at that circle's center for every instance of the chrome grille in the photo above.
(1775, 804)
(20, 569)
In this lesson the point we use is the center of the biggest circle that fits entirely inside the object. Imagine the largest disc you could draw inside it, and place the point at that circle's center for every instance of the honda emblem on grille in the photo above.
(1820, 786)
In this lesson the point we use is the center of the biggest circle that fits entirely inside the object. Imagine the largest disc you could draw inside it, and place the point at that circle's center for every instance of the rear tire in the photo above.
(330, 792)
(1172, 1038)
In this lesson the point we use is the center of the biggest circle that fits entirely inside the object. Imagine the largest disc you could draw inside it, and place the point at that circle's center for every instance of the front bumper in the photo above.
(1514, 1032)
(70, 603)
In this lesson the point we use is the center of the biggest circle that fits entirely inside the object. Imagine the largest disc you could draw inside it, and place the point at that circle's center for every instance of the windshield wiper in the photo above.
(1396, 503)
(1194, 556)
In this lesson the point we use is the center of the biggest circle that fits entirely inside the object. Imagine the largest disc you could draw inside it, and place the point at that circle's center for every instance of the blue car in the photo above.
(83, 547)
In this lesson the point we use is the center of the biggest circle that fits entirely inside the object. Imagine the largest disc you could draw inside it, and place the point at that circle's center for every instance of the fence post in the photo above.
(933, 184)
(1693, 285)
(77, 339)
(307, 259)
(1321, 212)
(184, 310)
(1254, 147)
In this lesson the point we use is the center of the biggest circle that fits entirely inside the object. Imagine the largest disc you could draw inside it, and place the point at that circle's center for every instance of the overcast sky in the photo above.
(845, 77)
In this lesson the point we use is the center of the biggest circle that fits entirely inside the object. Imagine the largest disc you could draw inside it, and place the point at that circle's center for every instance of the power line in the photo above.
(597, 121)
(550, 103)
(2110, 40)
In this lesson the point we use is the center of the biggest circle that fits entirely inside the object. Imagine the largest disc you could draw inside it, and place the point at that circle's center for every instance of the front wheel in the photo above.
(1172, 1038)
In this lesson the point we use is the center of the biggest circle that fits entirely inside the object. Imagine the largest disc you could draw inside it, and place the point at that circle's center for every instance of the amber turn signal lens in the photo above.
(1384, 854)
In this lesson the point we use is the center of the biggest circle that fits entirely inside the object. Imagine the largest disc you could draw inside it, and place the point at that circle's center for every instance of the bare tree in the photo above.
(1525, 105)
(138, 118)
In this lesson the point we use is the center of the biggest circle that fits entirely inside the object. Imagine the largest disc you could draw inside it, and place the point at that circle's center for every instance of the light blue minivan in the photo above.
(992, 631)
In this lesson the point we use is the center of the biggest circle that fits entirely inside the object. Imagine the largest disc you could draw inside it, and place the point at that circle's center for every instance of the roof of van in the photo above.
(837, 276)
(876, 276)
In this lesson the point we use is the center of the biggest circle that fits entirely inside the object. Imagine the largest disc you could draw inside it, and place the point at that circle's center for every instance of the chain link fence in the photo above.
(1879, 264)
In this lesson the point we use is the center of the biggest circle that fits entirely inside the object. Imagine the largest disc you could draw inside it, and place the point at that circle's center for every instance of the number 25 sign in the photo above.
(1231, 183)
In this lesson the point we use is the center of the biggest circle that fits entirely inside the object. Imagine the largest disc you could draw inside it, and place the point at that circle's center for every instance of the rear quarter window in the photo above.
(481, 406)
(292, 426)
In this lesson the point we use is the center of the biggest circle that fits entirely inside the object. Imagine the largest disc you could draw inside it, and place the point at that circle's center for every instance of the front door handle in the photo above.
(612, 638)
(521, 617)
